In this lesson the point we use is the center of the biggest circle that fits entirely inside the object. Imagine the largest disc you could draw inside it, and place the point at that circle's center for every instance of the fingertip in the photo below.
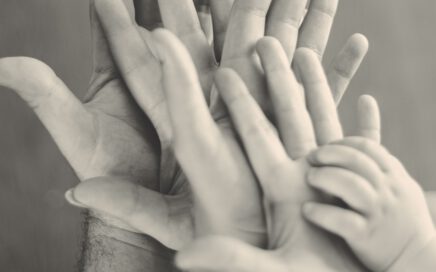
(267, 43)
(306, 61)
(367, 101)
(304, 54)
(358, 45)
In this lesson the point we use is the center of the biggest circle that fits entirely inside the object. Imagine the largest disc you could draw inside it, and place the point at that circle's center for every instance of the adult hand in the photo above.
(108, 134)
(133, 205)
(294, 244)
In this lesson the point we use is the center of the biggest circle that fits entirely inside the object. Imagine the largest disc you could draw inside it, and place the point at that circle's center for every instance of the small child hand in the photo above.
(387, 221)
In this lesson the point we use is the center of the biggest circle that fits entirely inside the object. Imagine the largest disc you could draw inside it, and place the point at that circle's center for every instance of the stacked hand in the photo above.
(280, 168)
(243, 216)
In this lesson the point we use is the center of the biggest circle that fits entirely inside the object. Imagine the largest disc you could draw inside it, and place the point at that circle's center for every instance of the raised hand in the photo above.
(181, 18)
(109, 134)
(294, 244)
(387, 223)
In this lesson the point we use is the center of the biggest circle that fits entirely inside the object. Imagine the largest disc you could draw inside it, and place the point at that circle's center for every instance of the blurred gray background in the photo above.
(40, 232)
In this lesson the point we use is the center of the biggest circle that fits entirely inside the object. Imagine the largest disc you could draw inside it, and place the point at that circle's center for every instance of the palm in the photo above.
(125, 143)
(300, 245)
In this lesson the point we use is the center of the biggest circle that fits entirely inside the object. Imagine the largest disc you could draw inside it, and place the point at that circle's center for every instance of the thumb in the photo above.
(165, 218)
(217, 253)
(59, 110)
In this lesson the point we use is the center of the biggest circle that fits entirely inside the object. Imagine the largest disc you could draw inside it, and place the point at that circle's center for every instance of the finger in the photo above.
(283, 23)
(64, 116)
(264, 149)
(181, 83)
(318, 97)
(195, 133)
(345, 65)
(369, 121)
(138, 65)
(348, 186)
(144, 210)
(180, 17)
(246, 27)
(226, 254)
(148, 14)
(315, 30)
(347, 158)
(102, 56)
(344, 223)
(295, 126)
(104, 68)
(204, 15)
(220, 10)
(374, 150)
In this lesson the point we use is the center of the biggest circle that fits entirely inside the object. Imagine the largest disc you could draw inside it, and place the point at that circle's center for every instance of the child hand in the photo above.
(387, 221)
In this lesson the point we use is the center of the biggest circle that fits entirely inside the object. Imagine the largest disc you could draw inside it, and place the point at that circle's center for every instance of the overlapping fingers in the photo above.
(283, 23)
(220, 10)
(319, 99)
(372, 149)
(180, 17)
(104, 67)
(246, 27)
(192, 122)
(265, 151)
(342, 222)
(132, 50)
(293, 120)
(315, 30)
(348, 158)
(353, 189)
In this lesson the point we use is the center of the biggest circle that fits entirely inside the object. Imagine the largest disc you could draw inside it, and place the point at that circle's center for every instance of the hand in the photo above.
(388, 220)
(109, 134)
(180, 17)
(281, 169)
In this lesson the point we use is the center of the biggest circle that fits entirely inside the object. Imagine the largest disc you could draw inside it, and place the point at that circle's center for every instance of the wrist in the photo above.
(420, 257)
(109, 248)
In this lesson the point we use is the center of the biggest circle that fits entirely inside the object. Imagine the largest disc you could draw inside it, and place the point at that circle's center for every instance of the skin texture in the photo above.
(388, 221)
(144, 211)
(280, 168)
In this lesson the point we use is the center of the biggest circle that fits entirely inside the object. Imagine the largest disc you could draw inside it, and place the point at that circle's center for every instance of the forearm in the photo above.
(108, 249)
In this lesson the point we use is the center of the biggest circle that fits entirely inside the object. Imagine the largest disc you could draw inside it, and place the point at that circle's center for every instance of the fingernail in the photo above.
(69, 196)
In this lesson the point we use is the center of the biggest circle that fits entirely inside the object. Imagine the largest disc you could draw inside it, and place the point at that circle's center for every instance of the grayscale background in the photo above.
(40, 232)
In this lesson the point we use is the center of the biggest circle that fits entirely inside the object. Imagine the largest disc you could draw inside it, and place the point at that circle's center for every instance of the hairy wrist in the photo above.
(112, 249)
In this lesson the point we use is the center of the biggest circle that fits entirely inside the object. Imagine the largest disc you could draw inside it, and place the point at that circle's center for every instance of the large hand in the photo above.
(181, 18)
(108, 134)
(294, 244)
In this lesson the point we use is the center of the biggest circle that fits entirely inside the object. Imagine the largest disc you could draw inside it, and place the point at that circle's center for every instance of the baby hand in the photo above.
(386, 221)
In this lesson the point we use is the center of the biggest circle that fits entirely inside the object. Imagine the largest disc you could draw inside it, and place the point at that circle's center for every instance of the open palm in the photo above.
(244, 214)
(281, 165)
